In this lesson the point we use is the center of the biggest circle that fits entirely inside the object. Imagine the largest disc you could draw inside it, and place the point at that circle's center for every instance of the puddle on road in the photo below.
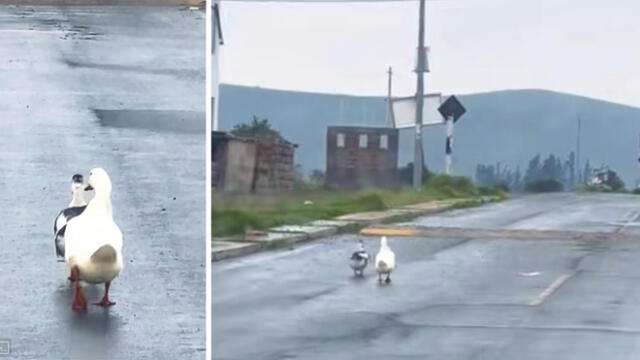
(176, 121)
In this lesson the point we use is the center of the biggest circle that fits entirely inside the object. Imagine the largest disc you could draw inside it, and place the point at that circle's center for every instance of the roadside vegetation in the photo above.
(609, 182)
(549, 174)
(552, 174)
(234, 213)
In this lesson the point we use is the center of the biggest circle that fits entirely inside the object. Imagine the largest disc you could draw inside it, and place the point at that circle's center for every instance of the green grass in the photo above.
(605, 189)
(235, 213)
(467, 204)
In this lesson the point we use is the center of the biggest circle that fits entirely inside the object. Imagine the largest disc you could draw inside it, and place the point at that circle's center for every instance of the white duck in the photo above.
(385, 260)
(75, 208)
(94, 242)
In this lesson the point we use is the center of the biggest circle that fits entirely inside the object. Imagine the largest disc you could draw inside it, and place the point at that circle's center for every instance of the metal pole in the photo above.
(420, 69)
(449, 147)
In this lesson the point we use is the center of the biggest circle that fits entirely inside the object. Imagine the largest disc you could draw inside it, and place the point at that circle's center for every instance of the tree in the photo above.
(571, 169)
(548, 177)
(517, 181)
(614, 181)
(533, 171)
(551, 174)
(259, 129)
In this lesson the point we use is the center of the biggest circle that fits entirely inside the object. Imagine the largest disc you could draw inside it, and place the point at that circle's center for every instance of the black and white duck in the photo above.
(75, 208)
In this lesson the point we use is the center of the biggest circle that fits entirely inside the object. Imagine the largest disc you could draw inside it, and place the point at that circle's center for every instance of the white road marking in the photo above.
(529, 274)
(551, 289)
(625, 224)
(629, 219)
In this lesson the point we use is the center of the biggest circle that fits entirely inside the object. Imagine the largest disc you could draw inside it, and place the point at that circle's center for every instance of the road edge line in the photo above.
(551, 289)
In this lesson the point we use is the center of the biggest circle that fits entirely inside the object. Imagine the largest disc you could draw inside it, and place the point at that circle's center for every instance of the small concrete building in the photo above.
(361, 157)
(251, 165)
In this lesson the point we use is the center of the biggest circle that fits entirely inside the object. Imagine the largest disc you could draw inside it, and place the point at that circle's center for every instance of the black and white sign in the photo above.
(452, 108)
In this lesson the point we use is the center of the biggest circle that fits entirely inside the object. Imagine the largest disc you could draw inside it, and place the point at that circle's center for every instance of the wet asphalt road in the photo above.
(450, 298)
(59, 66)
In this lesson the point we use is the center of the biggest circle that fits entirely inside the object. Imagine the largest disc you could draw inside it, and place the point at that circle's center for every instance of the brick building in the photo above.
(362, 156)
(251, 165)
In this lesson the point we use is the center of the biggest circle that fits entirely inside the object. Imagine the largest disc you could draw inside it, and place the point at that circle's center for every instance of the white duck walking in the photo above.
(359, 260)
(75, 208)
(94, 243)
(385, 260)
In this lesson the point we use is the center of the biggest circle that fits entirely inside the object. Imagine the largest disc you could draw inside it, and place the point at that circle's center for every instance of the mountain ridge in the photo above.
(508, 126)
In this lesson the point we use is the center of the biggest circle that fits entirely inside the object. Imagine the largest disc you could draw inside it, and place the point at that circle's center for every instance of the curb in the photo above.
(311, 231)
(227, 249)
(490, 233)
(289, 235)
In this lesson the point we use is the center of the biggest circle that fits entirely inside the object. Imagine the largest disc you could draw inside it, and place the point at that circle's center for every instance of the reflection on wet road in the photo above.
(49, 130)
(450, 298)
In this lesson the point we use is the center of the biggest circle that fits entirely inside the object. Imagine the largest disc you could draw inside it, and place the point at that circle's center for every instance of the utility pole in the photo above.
(389, 108)
(418, 161)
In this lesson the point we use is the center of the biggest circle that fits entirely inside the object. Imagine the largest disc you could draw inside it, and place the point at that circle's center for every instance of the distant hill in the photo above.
(507, 126)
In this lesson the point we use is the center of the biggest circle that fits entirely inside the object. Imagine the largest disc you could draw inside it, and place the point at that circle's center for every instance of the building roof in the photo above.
(223, 135)
(368, 129)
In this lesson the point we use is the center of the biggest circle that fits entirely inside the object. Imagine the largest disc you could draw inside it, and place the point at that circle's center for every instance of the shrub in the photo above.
(451, 186)
(548, 185)
(614, 181)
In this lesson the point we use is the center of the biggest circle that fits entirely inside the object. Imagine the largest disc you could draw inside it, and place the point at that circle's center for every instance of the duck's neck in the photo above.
(100, 204)
(77, 199)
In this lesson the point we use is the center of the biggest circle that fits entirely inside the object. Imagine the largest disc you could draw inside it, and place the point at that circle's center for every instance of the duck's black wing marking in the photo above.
(61, 220)
(359, 255)
(72, 212)
(59, 243)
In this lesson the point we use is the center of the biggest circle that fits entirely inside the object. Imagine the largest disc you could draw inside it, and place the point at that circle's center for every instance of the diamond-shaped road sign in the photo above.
(452, 108)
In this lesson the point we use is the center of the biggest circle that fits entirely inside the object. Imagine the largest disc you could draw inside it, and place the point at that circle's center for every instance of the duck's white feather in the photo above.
(92, 237)
(385, 258)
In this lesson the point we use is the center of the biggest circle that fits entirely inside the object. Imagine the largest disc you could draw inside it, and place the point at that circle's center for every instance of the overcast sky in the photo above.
(584, 47)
